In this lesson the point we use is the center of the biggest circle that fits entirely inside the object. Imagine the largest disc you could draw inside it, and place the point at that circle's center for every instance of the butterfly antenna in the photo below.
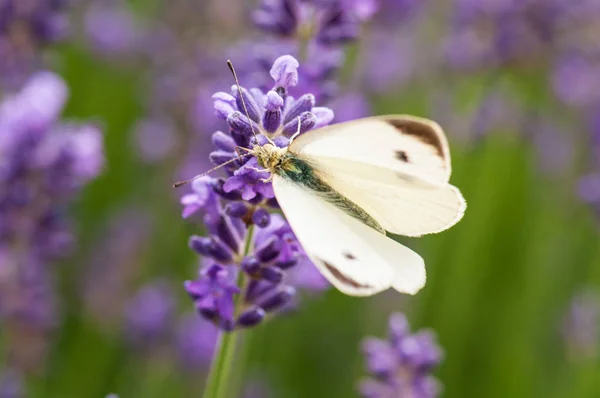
(239, 88)
(184, 182)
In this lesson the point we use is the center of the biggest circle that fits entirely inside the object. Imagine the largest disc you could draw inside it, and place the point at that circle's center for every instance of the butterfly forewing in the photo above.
(407, 194)
(409, 145)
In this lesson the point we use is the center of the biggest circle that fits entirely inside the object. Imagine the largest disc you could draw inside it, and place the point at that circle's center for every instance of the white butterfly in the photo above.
(342, 186)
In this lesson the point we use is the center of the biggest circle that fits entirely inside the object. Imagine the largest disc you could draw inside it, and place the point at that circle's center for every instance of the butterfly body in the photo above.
(343, 186)
(286, 164)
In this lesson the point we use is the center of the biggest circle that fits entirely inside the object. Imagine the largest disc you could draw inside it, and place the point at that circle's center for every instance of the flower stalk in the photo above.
(221, 367)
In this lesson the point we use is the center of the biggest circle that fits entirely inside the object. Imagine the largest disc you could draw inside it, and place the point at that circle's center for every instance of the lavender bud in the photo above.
(224, 104)
(261, 217)
(273, 101)
(209, 312)
(220, 157)
(285, 71)
(256, 289)
(251, 317)
(251, 105)
(271, 274)
(273, 105)
(308, 120)
(212, 247)
(324, 116)
(236, 209)
(194, 289)
(273, 203)
(281, 141)
(277, 300)
(303, 104)
(218, 188)
(269, 250)
(240, 123)
(398, 328)
(250, 265)
(227, 324)
(223, 141)
(287, 264)
(272, 120)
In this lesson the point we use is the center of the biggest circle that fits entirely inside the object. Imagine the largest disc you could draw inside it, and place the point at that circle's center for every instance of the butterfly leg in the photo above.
(297, 133)
(267, 180)
(238, 150)
(257, 169)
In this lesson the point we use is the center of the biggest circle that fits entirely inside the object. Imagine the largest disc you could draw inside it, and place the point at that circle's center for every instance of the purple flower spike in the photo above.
(401, 366)
(231, 204)
(24, 31)
(149, 314)
(44, 164)
(279, 17)
(285, 71)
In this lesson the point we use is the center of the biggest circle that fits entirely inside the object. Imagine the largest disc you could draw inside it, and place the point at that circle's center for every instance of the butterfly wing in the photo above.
(410, 145)
(355, 258)
(407, 195)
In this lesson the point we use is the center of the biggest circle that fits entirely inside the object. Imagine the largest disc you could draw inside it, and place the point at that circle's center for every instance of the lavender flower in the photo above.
(242, 199)
(44, 164)
(25, 28)
(11, 384)
(111, 28)
(155, 139)
(275, 113)
(329, 22)
(401, 366)
(581, 326)
(316, 30)
(195, 341)
(497, 33)
(116, 261)
(574, 76)
(149, 315)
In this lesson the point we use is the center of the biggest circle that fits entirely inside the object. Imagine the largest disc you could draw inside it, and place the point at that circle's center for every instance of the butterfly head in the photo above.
(270, 156)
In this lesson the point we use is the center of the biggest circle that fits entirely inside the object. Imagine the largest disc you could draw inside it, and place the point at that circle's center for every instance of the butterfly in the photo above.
(343, 187)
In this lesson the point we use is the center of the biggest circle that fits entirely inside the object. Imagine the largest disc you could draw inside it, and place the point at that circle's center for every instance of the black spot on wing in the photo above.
(345, 279)
(422, 131)
(401, 155)
(350, 256)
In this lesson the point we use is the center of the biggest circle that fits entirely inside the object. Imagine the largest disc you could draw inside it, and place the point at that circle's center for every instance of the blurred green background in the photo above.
(500, 283)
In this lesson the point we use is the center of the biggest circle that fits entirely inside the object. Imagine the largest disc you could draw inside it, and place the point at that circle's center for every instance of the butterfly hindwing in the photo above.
(355, 258)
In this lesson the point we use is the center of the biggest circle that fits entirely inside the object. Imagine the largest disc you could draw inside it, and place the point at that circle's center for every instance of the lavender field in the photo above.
(115, 284)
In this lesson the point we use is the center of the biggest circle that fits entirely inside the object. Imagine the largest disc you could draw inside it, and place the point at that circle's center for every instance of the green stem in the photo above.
(219, 377)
